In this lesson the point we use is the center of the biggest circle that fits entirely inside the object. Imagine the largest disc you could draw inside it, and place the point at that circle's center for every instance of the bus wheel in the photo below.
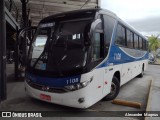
(142, 73)
(115, 88)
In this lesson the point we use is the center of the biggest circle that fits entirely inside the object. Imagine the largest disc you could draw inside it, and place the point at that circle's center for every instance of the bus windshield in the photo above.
(59, 48)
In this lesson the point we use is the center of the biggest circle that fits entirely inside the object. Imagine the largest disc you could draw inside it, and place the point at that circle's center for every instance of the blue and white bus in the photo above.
(78, 58)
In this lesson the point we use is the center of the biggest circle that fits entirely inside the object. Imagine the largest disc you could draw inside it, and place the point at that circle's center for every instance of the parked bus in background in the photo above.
(78, 58)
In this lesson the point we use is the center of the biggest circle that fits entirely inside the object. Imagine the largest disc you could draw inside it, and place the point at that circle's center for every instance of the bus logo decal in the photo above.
(117, 56)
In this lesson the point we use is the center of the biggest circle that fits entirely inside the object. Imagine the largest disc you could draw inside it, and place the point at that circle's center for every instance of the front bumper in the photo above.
(70, 99)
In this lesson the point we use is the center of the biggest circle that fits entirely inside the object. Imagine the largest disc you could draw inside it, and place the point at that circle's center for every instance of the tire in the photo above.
(116, 85)
(142, 73)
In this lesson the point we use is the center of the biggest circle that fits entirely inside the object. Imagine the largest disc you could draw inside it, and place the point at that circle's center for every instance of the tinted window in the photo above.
(140, 43)
(64, 48)
(144, 44)
(120, 39)
(135, 41)
(129, 39)
(109, 23)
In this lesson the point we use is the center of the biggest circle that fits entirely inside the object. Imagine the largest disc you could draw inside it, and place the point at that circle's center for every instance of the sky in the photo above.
(143, 15)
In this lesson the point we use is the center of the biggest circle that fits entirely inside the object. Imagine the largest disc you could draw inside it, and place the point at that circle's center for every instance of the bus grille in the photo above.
(51, 89)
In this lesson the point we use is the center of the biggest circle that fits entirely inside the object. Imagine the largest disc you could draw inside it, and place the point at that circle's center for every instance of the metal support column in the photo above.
(3, 95)
(17, 56)
(24, 25)
(98, 3)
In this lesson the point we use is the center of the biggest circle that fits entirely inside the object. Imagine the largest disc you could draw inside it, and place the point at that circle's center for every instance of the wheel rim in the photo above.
(113, 89)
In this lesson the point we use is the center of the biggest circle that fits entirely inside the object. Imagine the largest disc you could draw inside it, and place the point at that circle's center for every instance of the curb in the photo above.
(153, 64)
(149, 100)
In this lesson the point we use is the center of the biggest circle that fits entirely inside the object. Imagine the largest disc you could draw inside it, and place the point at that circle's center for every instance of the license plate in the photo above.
(45, 97)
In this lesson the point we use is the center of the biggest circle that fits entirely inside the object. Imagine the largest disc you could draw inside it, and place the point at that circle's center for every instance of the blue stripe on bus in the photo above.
(53, 82)
(124, 57)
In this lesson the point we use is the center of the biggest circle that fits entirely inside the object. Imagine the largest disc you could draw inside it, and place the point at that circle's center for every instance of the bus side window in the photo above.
(129, 39)
(144, 44)
(140, 43)
(147, 44)
(120, 38)
(135, 41)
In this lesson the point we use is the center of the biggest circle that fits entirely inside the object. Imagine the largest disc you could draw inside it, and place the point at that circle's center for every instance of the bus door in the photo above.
(98, 53)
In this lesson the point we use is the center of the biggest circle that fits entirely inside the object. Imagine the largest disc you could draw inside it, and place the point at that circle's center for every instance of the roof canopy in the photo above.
(39, 9)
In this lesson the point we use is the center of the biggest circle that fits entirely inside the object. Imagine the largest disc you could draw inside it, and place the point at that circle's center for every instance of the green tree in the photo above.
(154, 43)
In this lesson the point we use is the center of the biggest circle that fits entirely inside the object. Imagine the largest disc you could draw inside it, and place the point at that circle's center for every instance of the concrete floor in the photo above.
(154, 71)
(136, 90)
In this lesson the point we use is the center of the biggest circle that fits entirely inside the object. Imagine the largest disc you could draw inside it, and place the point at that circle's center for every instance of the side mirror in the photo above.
(24, 31)
(27, 33)
(89, 31)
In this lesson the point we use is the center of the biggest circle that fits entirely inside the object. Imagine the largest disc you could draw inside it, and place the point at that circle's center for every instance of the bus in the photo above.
(79, 57)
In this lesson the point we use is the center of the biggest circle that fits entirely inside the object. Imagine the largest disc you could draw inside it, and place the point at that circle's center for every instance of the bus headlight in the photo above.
(78, 86)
